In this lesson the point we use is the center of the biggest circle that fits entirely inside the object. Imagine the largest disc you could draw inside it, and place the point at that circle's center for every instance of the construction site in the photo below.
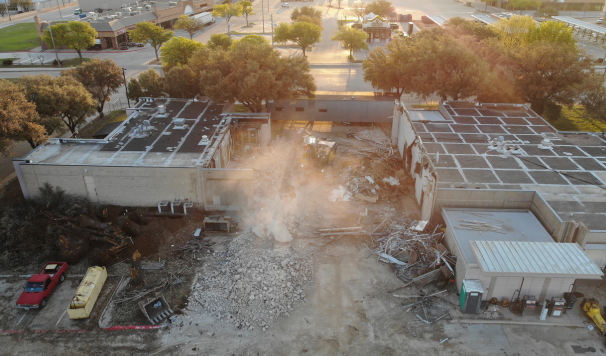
(415, 232)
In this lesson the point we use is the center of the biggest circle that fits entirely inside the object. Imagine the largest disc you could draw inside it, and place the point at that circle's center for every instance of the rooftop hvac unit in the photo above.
(128, 9)
(148, 7)
(161, 111)
(203, 141)
(153, 2)
(118, 15)
(179, 121)
(113, 17)
(139, 8)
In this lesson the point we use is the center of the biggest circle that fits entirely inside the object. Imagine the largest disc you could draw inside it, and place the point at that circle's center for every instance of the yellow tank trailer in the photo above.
(86, 296)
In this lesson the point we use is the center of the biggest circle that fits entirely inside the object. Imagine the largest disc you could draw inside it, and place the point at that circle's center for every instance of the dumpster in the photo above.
(155, 308)
(88, 291)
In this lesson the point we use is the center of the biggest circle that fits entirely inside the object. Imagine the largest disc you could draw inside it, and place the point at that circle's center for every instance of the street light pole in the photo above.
(50, 29)
(59, 7)
(263, 15)
(125, 86)
(272, 29)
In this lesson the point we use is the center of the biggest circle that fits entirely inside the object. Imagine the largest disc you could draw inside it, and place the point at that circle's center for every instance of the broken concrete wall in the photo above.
(227, 189)
(127, 186)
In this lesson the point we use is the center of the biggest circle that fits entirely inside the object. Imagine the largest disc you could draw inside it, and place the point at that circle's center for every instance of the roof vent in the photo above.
(178, 121)
(203, 141)
(546, 144)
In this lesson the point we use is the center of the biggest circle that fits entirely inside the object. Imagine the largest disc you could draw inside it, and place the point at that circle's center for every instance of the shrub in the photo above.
(7, 62)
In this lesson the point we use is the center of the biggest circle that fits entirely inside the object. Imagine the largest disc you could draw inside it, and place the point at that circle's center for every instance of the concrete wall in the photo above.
(227, 189)
(129, 186)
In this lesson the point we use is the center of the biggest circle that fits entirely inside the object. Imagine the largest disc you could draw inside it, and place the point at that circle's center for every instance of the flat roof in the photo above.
(536, 259)
(582, 24)
(516, 225)
(486, 19)
(332, 110)
(570, 174)
(437, 19)
(145, 138)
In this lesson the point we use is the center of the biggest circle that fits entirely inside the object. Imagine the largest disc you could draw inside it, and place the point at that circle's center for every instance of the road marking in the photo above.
(65, 311)
(24, 314)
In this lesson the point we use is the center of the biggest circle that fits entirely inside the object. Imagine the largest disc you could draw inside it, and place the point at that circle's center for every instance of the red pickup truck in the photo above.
(40, 286)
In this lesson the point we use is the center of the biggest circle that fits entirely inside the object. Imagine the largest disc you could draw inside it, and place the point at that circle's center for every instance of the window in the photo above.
(47, 283)
(323, 110)
(279, 108)
(299, 109)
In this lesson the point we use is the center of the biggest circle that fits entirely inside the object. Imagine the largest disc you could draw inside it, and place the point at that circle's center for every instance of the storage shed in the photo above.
(513, 252)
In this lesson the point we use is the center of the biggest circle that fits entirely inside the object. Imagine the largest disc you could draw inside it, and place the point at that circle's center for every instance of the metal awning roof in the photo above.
(489, 20)
(534, 259)
(582, 24)
(438, 19)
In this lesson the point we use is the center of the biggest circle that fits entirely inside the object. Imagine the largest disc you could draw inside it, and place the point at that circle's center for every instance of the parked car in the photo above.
(123, 48)
(99, 10)
(140, 45)
(41, 285)
(285, 5)
(77, 11)
(132, 44)
(600, 21)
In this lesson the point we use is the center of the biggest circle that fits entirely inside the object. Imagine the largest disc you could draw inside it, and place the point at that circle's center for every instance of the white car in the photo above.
(600, 21)
(285, 5)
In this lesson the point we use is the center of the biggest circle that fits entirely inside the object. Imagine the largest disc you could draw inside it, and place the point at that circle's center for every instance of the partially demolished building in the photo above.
(167, 150)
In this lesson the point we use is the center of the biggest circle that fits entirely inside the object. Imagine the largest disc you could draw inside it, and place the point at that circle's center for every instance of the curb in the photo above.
(507, 322)
(113, 328)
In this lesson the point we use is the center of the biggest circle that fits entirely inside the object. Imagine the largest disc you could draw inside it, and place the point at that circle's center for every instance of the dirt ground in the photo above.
(351, 308)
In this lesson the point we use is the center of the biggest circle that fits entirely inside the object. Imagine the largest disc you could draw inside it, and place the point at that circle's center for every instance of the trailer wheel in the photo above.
(43, 303)
(62, 278)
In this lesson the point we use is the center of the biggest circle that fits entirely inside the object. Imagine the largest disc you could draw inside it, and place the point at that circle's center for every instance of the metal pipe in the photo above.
(50, 29)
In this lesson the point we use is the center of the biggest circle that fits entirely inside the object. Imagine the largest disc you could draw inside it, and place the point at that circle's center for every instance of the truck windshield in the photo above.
(34, 287)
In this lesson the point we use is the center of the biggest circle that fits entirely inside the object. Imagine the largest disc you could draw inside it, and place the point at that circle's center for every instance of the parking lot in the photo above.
(54, 315)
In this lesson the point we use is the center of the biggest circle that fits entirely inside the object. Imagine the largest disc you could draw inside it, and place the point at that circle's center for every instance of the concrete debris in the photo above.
(366, 198)
(254, 286)
(340, 194)
(391, 181)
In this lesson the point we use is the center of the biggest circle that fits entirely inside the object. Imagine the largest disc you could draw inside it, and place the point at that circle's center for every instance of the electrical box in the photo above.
(529, 305)
(557, 306)
(471, 296)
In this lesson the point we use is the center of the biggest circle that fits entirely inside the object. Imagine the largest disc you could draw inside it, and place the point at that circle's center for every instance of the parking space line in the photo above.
(65, 311)
(24, 314)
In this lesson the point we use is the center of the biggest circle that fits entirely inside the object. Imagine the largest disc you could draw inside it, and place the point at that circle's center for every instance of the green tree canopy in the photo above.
(101, 77)
(390, 68)
(147, 32)
(460, 26)
(552, 32)
(253, 73)
(189, 25)
(73, 102)
(35, 88)
(17, 119)
(246, 9)
(76, 35)
(524, 4)
(134, 89)
(181, 82)
(304, 34)
(514, 31)
(352, 38)
(227, 11)
(178, 50)
(380, 7)
(218, 40)
(307, 14)
(151, 83)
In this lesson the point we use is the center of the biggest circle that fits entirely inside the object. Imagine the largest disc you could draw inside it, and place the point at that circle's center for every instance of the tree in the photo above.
(547, 73)
(178, 50)
(391, 68)
(17, 119)
(134, 89)
(330, 3)
(146, 32)
(227, 11)
(246, 9)
(74, 103)
(3, 9)
(35, 89)
(151, 83)
(218, 40)
(307, 14)
(358, 10)
(189, 25)
(304, 34)
(181, 82)
(513, 32)
(593, 96)
(74, 34)
(461, 26)
(352, 38)
(253, 73)
(524, 4)
(380, 7)
(339, 3)
(24, 4)
(552, 32)
(101, 77)
(487, 2)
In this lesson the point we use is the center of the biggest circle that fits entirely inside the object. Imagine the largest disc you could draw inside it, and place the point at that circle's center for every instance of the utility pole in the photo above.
(272, 29)
(59, 7)
(125, 86)
(263, 15)
(50, 29)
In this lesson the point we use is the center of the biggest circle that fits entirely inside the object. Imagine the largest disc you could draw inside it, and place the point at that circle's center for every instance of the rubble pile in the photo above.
(254, 286)
(416, 256)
